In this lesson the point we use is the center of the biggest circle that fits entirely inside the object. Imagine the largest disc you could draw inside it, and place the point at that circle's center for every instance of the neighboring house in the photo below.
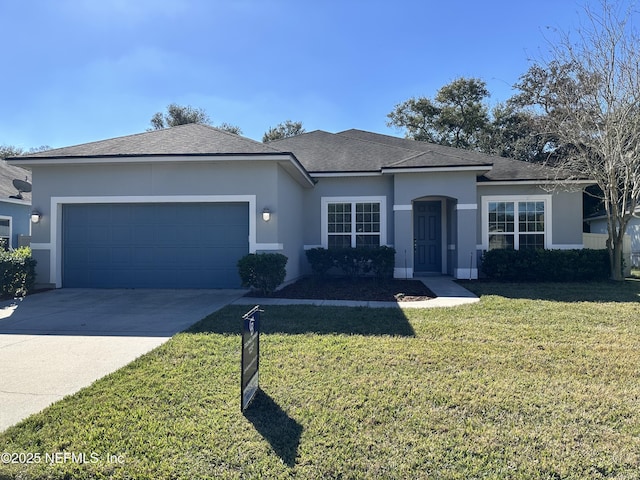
(15, 207)
(176, 208)
(598, 224)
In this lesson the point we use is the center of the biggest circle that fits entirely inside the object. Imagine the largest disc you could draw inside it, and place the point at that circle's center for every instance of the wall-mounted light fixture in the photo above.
(266, 214)
(35, 216)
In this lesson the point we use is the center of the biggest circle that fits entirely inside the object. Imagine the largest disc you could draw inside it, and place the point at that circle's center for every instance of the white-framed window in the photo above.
(5, 233)
(354, 222)
(516, 222)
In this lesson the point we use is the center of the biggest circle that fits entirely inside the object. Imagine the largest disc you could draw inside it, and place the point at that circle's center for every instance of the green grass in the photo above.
(534, 382)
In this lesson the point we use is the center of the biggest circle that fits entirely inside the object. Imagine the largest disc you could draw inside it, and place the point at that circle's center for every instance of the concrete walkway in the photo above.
(448, 292)
(54, 343)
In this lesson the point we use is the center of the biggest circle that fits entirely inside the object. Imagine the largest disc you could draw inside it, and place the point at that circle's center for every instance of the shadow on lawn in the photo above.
(607, 291)
(302, 319)
(279, 429)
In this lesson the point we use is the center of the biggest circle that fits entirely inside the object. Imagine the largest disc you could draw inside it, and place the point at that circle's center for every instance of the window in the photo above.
(357, 222)
(5, 233)
(339, 225)
(516, 224)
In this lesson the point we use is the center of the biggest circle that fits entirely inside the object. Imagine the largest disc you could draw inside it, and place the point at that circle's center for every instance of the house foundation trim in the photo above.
(402, 273)
(467, 273)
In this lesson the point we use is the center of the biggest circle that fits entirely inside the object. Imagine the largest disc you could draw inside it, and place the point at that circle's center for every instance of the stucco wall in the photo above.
(165, 180)
(364, 186)
(566, 211)
(20, 215)
(290, 220)
(457, 191)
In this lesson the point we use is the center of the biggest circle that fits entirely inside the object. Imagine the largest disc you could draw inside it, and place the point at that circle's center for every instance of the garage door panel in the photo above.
(121, 235)
(122, 256)
(99, 257)
(154, 245)
(77, 234)
(227, 235)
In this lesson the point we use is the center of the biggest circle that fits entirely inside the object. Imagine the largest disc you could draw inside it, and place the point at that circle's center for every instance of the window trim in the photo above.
(324, 215)
(10, 219)
(516, 199)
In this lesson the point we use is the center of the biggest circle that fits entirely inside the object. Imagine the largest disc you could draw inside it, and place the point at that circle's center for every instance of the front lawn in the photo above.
(530, 383)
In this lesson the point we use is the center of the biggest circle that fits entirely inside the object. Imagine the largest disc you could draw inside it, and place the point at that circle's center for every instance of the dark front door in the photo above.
(427, 231)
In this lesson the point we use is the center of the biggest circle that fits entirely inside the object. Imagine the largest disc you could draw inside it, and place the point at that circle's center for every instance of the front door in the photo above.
(427, 240)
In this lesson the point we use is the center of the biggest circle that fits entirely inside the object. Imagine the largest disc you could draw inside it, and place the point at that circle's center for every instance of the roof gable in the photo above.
(320, 151)
(434, 155)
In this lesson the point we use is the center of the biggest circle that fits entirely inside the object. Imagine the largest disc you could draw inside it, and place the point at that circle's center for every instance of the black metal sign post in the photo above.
(250, 362)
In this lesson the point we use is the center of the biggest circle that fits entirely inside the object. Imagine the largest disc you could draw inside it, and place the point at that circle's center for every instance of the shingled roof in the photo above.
(359, 151)
(319, 152)
(8, 173)
(190, 139)
(502, 169)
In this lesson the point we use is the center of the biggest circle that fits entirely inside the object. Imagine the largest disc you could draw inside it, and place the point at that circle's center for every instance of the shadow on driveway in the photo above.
(54, 343)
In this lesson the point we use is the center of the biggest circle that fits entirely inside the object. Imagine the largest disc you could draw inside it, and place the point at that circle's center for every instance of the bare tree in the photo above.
(588, 93)
(13, 151)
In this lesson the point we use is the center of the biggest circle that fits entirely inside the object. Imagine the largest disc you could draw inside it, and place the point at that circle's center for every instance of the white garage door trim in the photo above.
(58, 202)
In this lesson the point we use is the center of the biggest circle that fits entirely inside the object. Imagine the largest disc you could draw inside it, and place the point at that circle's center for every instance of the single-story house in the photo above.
(15, 206)
(176, 208)
(598, 224)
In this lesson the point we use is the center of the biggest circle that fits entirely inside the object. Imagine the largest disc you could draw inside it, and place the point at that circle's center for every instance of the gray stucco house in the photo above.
(15, 207)
(598, 224)
(176, 208)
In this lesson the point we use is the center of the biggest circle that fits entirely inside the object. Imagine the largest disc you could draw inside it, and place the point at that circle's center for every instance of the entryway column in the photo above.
(403, 241)
(466, 267)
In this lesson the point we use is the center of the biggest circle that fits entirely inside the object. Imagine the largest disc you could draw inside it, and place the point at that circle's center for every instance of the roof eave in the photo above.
(287, 160)
(345, 173)
(480, 169)
(539, 181)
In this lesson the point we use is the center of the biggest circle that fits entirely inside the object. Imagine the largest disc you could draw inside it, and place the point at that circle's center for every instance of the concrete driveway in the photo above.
(54, 343)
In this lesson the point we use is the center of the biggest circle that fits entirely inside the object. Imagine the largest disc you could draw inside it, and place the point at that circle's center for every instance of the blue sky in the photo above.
(76, 71)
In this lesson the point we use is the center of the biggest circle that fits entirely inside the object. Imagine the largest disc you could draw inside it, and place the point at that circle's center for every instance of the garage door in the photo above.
(157, 245)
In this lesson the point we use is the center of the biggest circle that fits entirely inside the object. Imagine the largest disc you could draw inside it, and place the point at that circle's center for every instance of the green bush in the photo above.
(382, 261)
(17, 272)
(262, 271)
(321, 261)
(580, 265)
(353, 262)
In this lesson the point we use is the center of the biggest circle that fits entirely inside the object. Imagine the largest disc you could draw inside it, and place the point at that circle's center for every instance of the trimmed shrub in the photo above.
(353, 262)
(17, 272)
(321, 261)
(262, 271)
(382, 261)
(580, 265)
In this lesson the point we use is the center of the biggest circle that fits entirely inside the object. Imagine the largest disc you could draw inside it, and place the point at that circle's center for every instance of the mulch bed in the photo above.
(364, 289)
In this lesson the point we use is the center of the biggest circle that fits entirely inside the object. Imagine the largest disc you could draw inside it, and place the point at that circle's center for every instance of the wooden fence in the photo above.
(598, 241)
